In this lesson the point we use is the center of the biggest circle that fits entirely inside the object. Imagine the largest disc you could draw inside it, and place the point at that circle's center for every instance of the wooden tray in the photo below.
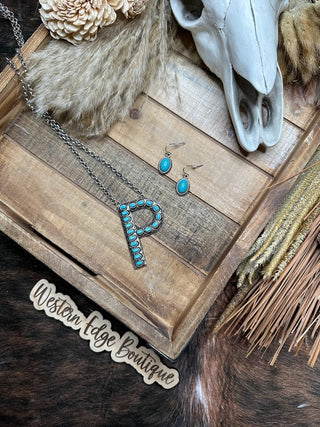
(51, 208)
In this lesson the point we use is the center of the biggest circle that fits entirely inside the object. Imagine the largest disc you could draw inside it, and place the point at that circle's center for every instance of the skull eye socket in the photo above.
(266, 112)
(191, 9)
(245, 114)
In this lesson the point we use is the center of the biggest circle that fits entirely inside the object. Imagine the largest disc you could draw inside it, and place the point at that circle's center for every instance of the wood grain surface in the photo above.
(201, 242)
(48, 375)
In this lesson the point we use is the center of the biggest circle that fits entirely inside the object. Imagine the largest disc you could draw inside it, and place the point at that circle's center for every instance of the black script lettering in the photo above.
(169, 376)
(89, 325)
(42, 294)
(145, 367)
(66, 312)
(124, 347)
(61, 306)
(75, 319)
(154, 369)
(52, 304)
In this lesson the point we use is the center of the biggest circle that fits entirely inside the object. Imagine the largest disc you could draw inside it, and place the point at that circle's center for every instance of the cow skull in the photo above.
(237, 40)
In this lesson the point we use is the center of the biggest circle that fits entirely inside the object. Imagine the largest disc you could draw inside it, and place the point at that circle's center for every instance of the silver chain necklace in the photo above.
(132, 232)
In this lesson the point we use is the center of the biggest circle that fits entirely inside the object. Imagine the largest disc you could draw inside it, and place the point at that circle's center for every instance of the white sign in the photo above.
(101, 337)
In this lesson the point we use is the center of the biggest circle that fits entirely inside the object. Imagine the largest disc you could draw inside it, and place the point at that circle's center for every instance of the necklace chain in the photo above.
(69, 141)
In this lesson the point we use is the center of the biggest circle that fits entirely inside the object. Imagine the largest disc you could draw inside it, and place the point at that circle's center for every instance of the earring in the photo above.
(183, 185)
(165, 164)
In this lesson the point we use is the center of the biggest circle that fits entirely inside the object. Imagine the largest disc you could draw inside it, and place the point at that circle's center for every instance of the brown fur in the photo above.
(50, 377)
(299, 35)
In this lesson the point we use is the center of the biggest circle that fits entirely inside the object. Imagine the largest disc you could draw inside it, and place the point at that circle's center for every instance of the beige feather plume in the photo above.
(90, 86)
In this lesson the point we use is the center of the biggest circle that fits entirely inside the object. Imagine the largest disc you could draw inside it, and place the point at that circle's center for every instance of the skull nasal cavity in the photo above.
(192, 9)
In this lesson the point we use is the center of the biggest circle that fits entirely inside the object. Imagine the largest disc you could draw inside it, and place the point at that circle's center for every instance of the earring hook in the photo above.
(174, 145)
(185, 173)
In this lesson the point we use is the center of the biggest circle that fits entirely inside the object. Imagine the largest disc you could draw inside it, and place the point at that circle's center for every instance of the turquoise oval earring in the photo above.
(183, 185)
(165, 164)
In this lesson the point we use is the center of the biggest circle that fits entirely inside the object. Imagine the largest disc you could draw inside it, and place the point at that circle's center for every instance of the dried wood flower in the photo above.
(76, 20)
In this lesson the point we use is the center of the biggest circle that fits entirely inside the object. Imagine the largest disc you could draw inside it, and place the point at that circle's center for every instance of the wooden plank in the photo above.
(226, 181)
(91, 233)
(59, 215)
(198, 98)
(198, 239)
(95, 287)
(247, 234)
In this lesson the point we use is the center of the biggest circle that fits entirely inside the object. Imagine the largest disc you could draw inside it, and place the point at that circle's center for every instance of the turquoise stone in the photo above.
(149, 202)
(133, 244)
(138, 256)
(129, 225)
(156, 208)
(158, 217)
(183, 186)
(139, 263)
(155, 224)
(131, 231)
(123, 207)
(124, 213)
(141, 202)
(135, 250)
(147, 229)
(165, 165)
(131, 238)
(140, 232)
(126, 219)
(132, 205)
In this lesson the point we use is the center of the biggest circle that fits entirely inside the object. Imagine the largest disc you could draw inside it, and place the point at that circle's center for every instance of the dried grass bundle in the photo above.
(289, 307)
(279, 280)
(90, 86)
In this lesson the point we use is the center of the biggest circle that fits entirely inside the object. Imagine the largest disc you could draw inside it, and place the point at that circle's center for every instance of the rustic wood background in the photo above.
(49, 376)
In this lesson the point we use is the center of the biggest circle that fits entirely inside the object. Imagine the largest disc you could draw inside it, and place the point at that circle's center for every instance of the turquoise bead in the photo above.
(126, 219)
(132, 205)
(156, 208)
(124, 213)
(129, 225)
(138, 256)
(165, 165)
(135, 250)
(182, 187)
(133, 244)
(123, 207)
(147, 229)
(139, 263)
(141, 202)
(158, 217)
(131, 238)
(155, 224)
(131, 231)
(149, 202)
(140, 232)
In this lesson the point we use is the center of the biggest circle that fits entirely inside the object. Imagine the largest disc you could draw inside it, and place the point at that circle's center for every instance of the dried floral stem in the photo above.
(271, 246)
(281, 239)
(286, 307)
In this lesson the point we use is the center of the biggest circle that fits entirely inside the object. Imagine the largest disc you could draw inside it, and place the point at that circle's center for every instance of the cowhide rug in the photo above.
(50, 377)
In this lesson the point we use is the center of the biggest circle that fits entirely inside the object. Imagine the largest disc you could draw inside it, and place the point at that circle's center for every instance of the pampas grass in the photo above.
(90, 86)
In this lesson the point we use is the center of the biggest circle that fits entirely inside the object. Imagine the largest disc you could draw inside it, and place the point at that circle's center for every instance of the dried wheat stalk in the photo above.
(289, 307)
(281, 239)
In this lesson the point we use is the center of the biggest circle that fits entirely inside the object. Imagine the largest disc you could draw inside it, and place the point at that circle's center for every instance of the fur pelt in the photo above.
(50, 377)
(299, 51)
(90, 86)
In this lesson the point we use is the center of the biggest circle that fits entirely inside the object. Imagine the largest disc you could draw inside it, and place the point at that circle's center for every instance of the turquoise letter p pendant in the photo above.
(134, 233)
